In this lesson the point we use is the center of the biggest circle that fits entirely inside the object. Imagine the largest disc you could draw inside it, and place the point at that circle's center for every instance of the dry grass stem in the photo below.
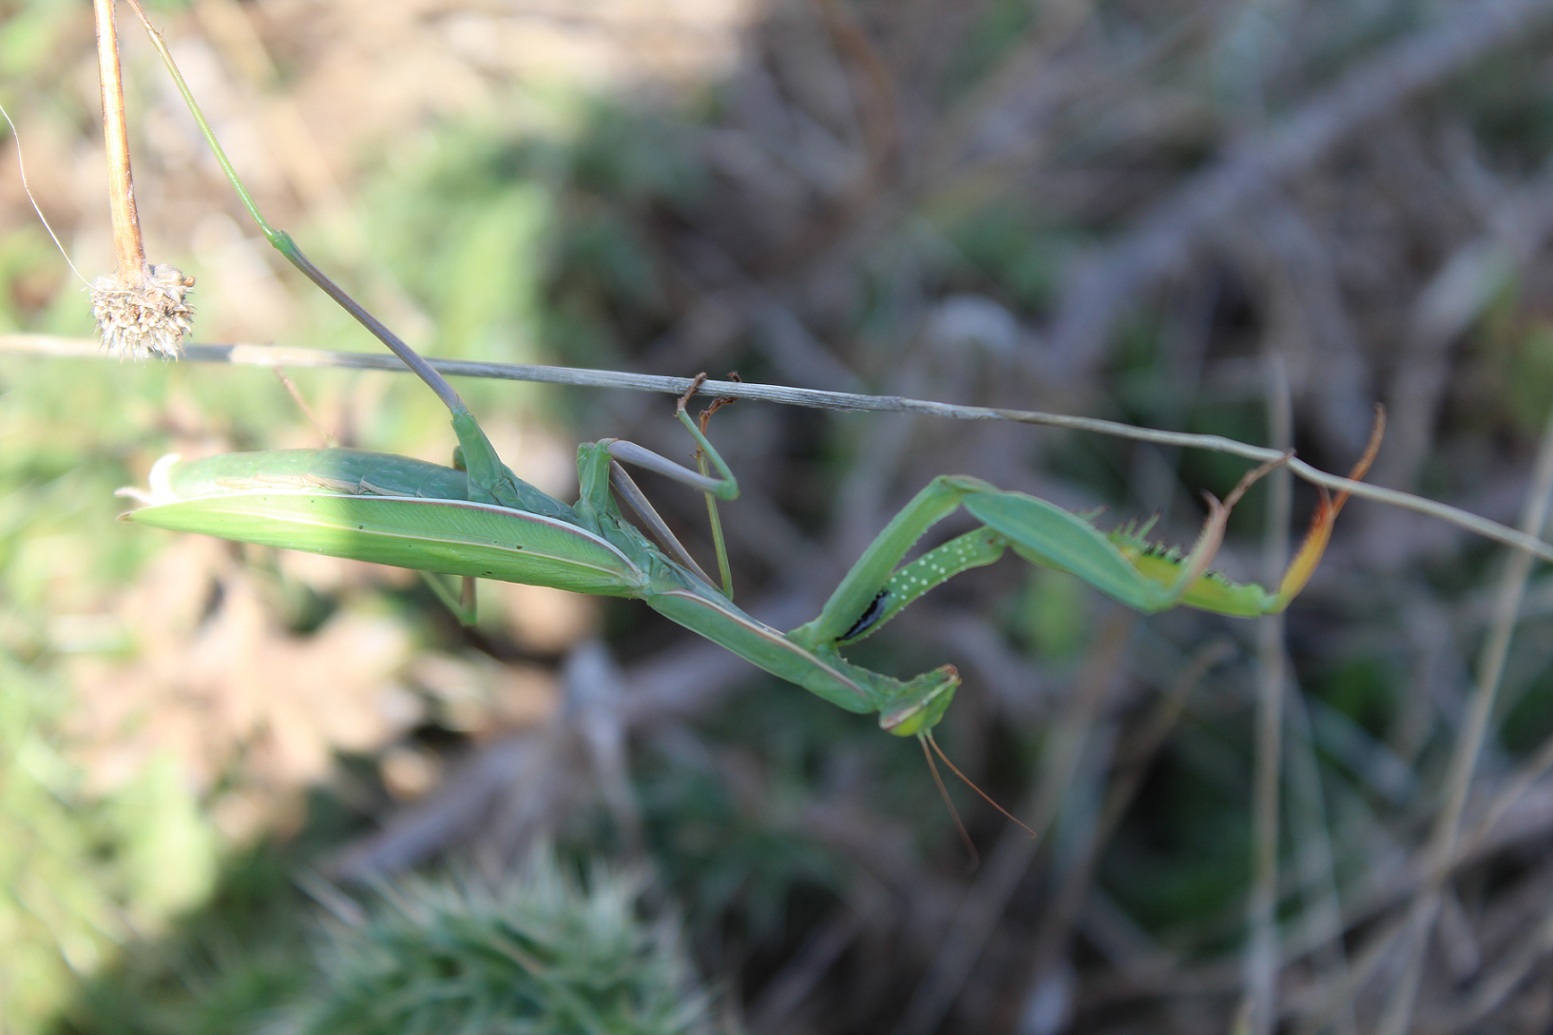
(1327, 824)
(141, 310)
(1443, 845)
(848, 402)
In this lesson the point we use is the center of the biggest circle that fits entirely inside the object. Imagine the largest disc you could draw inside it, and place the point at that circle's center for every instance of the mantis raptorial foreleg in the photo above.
(962, 553)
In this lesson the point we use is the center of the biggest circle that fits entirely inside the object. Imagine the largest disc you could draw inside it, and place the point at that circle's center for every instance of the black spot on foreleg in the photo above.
(869, 616)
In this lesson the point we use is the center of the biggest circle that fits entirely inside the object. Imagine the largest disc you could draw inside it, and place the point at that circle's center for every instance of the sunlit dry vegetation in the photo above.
(225, 773)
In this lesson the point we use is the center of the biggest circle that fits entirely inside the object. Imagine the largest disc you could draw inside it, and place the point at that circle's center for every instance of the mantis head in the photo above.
(924, 702)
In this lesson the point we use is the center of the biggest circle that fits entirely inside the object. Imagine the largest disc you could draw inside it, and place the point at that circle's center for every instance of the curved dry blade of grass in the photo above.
(1260, 1006)
(1443, 844)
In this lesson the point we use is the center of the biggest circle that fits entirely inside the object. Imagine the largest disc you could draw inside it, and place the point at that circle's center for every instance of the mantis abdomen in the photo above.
(341, 503)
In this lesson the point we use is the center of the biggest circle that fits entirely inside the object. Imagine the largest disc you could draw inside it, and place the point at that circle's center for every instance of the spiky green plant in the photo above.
(538, 952)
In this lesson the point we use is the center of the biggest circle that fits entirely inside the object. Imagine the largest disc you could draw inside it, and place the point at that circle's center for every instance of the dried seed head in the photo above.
(144, 317)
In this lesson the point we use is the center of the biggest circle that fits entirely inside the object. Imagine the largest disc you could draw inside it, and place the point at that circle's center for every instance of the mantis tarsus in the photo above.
(479, 520)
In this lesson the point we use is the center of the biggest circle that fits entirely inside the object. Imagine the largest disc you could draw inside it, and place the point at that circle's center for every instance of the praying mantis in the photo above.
(485, 522)
(478, 519)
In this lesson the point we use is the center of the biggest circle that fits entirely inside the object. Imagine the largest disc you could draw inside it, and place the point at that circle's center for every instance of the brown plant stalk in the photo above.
(140, 309)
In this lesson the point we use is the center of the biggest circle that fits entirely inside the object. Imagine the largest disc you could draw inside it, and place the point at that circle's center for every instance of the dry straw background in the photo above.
(1247, 217)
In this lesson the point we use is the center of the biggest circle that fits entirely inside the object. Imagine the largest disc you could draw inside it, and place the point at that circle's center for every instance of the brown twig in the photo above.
(141, 309)
(784, 395)
(115, 133)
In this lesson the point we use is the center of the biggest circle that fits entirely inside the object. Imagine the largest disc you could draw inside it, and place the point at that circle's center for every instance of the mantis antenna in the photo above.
(954, 813)
(927, 742)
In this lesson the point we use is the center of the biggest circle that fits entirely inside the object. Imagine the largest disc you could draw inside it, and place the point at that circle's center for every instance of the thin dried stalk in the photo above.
(141, 309)
(784, 395)
(1260, 1008)
(1447, 832)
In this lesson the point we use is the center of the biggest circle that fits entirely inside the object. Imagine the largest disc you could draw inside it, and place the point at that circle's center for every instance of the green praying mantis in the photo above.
(482, 521)
(478, 519)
